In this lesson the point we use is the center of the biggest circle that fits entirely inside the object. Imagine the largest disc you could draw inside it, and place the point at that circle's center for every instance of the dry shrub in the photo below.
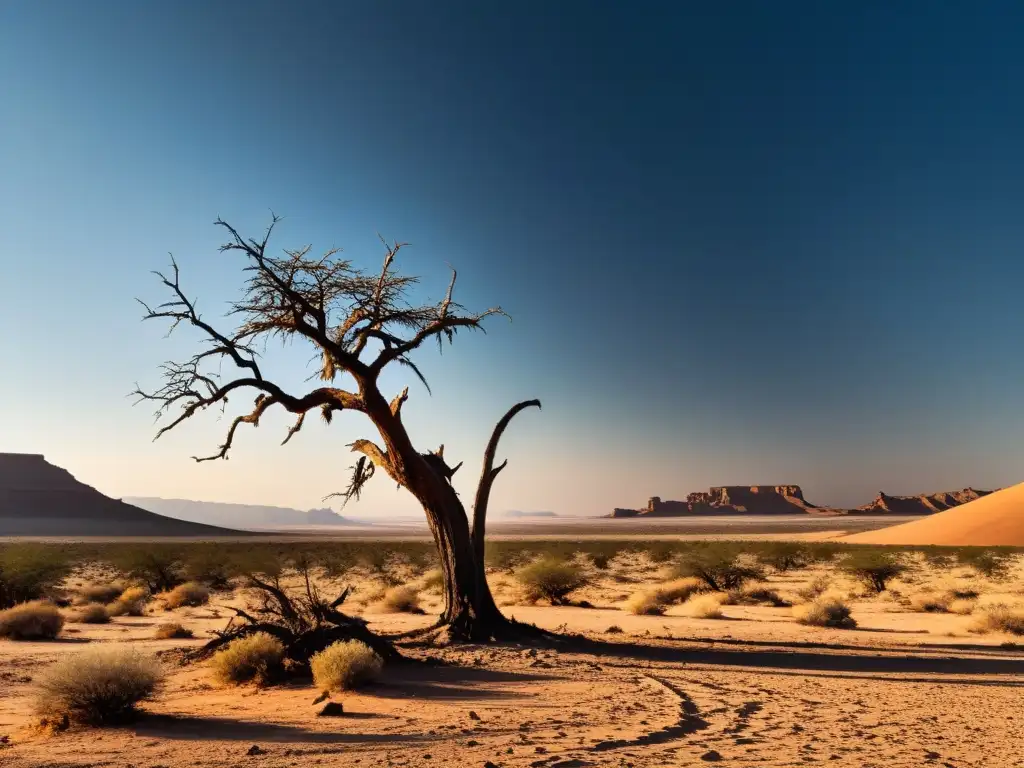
(999, 618)
(818, 586)
(191, 594)
(930, 602)
(94, 613)
(172, 631)
(132, 602)
(654, 602)
(963, 606)
(825, 611)
(345, 665)
(253, 657)
(756, 596)
(707, 606)
(550, 578)
(433, 581)
(399, 600)
(97, 686)
(36, 620)
(99, 593)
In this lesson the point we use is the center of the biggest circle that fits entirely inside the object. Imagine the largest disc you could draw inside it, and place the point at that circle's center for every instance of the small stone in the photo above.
(711, 756)
(472, 743)
(473, 715)
(932, 755)
(331, 709)
(540, 750)
(255, 750)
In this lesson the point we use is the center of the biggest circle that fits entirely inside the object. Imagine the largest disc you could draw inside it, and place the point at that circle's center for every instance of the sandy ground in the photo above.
(903, 689)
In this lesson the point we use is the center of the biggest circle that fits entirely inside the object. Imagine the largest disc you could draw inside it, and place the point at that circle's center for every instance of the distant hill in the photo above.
(517, 513)
(925, 504)
(40, 499)
(243, 516)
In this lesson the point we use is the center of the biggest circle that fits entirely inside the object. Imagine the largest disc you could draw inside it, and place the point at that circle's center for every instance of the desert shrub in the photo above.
(721, 566)
(191, 593)
(29, 572)
(962, 606)
(132, 602)
(825, 611)
(93, 613)
(992, 563)
(36, 620)
(645, 603)
(782, 556)
(938, 558)
(707, 606)
(157, 566)
(97, 686)
(433, 581)
(999, 618)
(253, 657)
(344, 665)
(99, 593)
(654, 601)
(930, 602)
(172, 631)
(551, 579)
(614, 629)
(600, 560)
(874, 568)
(400, 600)
(206, 565)
(757, 596)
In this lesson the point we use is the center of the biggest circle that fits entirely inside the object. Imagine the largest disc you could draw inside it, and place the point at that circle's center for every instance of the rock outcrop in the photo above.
(40, 499)
(728, 499)
(924, 504)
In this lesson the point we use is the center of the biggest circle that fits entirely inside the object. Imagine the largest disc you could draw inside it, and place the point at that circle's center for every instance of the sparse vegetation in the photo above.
(721, 566)
(345, 665)
(433, 581)
(132, 602)
(825, 611)
(551, 579)
(93, 613)
(991, 563)
(251, 658)
(757, 595)
(999, 618)
(97, 686)
(172, 631)
(874, 568)
(35, 620)
(29, 572)
(99, 593)
(191, 594)
(707, 606)
(654, 602)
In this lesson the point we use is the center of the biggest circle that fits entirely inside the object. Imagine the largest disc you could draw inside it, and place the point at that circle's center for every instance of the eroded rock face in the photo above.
(925, 504)
(40, 499)
(727, 499)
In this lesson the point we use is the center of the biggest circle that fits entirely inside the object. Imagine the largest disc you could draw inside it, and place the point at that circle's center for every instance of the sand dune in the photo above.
(993, 520)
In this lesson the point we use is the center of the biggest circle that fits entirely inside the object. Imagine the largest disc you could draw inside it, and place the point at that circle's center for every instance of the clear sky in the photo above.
(751, 242)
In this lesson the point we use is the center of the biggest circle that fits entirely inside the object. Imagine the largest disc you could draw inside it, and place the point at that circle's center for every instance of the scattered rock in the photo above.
(489, 764)
(472, 743)
(331, 709)
(932, 755)
(255, 750)
(711, 756)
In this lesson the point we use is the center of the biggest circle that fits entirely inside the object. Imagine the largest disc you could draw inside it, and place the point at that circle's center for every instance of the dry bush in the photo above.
(825, 611)
(253, 657)
(345, 665)
(999, 618)
(99, 593)
(191, 594)
(97, 686)
(930, 602)
(399, 600)
(719, 565)
(29, 572)
(550, 578)
(172, 631)
(707, 606)
(818, 586)
(874, 568)
(36, 620)
(432, 581)
(962, 606)
(654, 602)
(94, 613)
(132, 602)
(757, 595)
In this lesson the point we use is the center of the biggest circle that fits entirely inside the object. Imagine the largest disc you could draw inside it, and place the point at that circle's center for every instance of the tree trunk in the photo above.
(470, 612)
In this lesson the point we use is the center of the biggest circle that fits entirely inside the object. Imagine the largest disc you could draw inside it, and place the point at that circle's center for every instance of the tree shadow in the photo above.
(189, 728)
(453, 683)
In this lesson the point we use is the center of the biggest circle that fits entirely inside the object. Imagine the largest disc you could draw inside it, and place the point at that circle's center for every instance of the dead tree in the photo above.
(357, 324)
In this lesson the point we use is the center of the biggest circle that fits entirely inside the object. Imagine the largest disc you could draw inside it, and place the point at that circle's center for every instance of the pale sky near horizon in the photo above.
(740, 243)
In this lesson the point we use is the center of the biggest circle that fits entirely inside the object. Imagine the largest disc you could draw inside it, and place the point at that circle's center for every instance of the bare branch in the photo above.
(399, 401)
(490, 472)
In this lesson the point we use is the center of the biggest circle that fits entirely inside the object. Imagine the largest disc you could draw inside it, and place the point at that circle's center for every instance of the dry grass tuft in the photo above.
(345, 665)
(191, 594)
(94, 613)
(931, 602)
(36, 620)
(99, 593)
(707, 606)
(399, 600)
(818, 586)
(825, 611)
(97, 686)
(432, 581)
(172, 631)
(963, 606)
(132, 602)
(654, 602)
(999, 618)
(247, 658)
(757, 595)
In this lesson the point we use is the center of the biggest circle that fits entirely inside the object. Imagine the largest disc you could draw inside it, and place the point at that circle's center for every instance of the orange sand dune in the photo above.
(993, 520)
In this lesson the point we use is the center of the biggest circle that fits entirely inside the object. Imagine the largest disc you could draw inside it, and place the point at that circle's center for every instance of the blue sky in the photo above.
(740, 243)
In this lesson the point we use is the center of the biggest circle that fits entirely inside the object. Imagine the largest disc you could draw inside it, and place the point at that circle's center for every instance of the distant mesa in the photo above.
(242, 516)
(789, 500)
(993, 519)
(40, 499)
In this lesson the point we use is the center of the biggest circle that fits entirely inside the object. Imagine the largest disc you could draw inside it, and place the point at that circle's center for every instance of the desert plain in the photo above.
(646, 664)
